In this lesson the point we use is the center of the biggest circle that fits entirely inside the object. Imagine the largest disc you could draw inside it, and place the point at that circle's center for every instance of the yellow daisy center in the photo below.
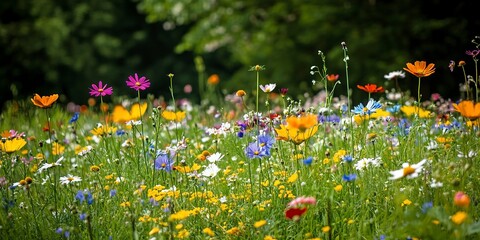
(408, 170)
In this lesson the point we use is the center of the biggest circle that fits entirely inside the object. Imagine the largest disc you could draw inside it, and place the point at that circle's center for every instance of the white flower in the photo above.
(69, 179)
(215, 157)
(268, 87)
(395, 74)
(365, 162)
(46, 166)
(211, 170)
(85, 151)
(470, 154)
(407, 170)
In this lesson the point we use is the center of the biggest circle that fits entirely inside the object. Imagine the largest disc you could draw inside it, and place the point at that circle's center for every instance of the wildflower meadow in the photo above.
(248, 164)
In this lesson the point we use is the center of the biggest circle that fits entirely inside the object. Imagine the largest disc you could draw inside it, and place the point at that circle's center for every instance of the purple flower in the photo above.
(113, 192)
(100, 90)
(138, 83)
(164, 162)
(83, 216)
(254, 150)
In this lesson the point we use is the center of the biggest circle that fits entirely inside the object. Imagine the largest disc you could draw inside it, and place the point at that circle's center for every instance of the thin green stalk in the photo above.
(345, 59)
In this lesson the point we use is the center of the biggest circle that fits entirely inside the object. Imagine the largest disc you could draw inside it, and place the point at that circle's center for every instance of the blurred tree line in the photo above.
(57, 46)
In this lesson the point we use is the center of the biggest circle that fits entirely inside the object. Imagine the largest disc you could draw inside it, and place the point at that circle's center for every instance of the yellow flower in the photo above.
(420, 69)
(122, 115)
(44, 101)
(12, 145)
(173, 116)
(154, 230)
(406, 202)
(293, 178)
(125, 204)
(208, 231)
(57, 148)
(268, 237)
(414, 110)
(338, 188)
(459, 217)
(260, 223)
(180, 215)
(233, 231)
(103, 130)
(241, 93)
(326, 229)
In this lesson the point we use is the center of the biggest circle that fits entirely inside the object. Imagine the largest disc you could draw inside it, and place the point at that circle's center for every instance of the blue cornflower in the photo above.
(347, 158)
(426, 206)
(74, 117)
(120, 132)
(393, 109)
(113, 193)
(164, 162)
(80, 196)
(371, 107)
(349, 177)
(83, 216)
(266, 141)
(308, 161)
(254, 150)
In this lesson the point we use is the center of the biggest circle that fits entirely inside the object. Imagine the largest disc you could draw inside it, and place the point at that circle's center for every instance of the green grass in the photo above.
(130, 199)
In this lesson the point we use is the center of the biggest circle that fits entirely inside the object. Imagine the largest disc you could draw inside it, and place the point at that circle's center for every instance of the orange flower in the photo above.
(371, 88)
(214, 79)
(468, 109)
(420, 69)
(332, 77)
(302, 122)
(44, 101)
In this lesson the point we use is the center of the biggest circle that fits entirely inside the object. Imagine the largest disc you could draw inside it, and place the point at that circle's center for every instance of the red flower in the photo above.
(295, 213)
(371, 88)
(332, 77)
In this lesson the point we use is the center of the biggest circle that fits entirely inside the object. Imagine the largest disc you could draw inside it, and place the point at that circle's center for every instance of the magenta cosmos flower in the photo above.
(100, 90)
(138, 83)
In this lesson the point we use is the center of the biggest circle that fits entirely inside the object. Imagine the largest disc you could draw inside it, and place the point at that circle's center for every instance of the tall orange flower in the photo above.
(44, 101)
(468, 109)
(371, 88)
(420, 69)
(214, 79)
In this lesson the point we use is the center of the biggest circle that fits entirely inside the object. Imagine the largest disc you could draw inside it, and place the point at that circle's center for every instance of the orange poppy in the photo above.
(468, 109)
(44, 101)
(332, 77)
(420, 69)
(371, 88)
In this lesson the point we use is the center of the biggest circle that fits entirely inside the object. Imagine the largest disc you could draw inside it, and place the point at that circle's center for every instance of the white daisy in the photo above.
(215, 157)
(407, 170)
(211, 170)
(69, 179)
(46, 166)
(268, 87)
(395, 74)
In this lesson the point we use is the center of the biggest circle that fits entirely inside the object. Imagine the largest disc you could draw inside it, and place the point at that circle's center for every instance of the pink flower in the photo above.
(100, 90)
(138, 83)
(302, 201)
